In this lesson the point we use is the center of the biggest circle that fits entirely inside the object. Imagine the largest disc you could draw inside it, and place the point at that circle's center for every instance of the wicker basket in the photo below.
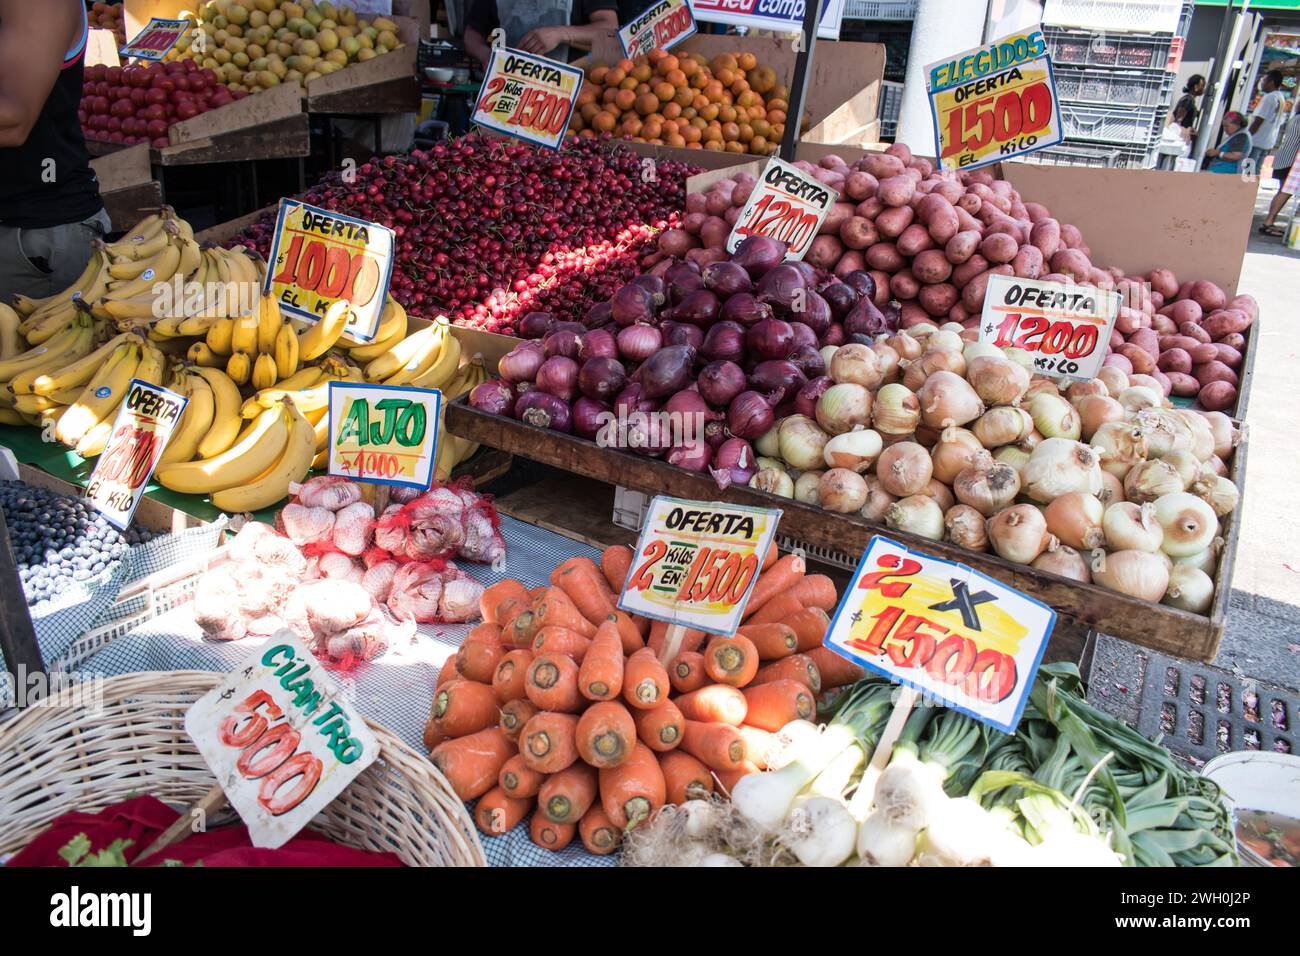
(56, 757)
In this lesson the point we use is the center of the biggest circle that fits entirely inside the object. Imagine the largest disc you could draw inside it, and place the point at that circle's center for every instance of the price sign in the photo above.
(156, 39)
(780, 16)
(383, 434)
(994, 102)
(1065, 327)
(658, 27)
(786, 204)
(527, 96)
(144, 423)
(280, 738)
(319, 257)
(696, 562)
(943, 629)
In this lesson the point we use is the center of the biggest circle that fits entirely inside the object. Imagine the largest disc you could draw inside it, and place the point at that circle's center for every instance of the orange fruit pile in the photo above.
(730, 104)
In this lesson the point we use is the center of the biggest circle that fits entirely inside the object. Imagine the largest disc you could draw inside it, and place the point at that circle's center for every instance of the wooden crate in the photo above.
(1157, 626)
(127, 186)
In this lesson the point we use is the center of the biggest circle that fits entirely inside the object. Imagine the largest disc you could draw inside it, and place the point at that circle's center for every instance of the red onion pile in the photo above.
(733, 345)
(136, 104)
(494, 230)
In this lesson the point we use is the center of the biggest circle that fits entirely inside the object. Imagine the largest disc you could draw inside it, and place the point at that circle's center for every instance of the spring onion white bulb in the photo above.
(908, 791)
(960, 832)
(822, 833)
(1190, 589)
(881, 843)
(765, 798)
(1129, 526)
(787, 743)
(1189, 523)
(719, 859)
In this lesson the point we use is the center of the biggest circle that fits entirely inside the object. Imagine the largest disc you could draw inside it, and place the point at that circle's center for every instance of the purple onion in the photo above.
(667, 371)
(587, 416)
(647, 434)
(536, 324)
(639, 341)
(679, 333)
(543, 410)
(597, 342)
(632, 303)
(809, 360)
(561, 342)
(601, 378)
(494, 396)
(733, 463)
(866, 319)
(805, 403)
(769, 339)
(598, 315)
(745, 309)
(521, 363)
(779, 376)
(816, 312)
(559, 376)
(782, 287)
(803, 335)
(698, 308)
(632, 399)
(726, 279)
(757, 254)
(655, 286)
(692, 455)
(859, 338)
(683, 278)
(750, 416)
(840, 297)
(834, 335)
(715, 433)
(577, 328)
(720, 382)
(861, 282)
(808, 271)
(724, 341)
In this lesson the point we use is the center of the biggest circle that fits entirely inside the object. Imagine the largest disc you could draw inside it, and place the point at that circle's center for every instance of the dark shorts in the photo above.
(1281, 174)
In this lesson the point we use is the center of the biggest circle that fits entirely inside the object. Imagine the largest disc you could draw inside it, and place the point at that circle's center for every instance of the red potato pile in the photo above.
(931, 240)
(558, 701)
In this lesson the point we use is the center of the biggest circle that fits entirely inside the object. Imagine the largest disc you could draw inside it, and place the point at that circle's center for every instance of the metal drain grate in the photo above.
(1204, 711)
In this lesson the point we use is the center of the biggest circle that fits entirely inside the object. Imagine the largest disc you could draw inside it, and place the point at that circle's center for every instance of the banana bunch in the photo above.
(453, 450)
(65, 348)
(136, 268)
(222, 286)
(41, 319)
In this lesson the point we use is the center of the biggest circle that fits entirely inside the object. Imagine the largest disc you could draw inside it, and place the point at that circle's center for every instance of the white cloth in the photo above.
(1269, 111)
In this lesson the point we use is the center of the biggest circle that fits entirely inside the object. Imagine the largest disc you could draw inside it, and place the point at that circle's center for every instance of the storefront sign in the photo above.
(658, 27)
(156, 39)
(781, 16)
(786, 204)
(383, 434)
(319, 257)
(994, 102)
(1066, 328)
(280, 738)
(144, 423)
(527, 96)
(696, 562)
(943, 629)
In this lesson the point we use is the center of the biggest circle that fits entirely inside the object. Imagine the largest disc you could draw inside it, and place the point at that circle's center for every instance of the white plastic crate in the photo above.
(1135, 125)
(1112, 87)
(1131, 16)
(1125, 51)
(880, 9)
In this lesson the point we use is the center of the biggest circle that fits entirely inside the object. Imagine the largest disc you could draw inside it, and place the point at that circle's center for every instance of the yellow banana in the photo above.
(77, 373)
(168, 327)
(381, 345)
(307, 399)
(201, 355)
(153, 366)
(263, 374)
(238, 465)
(162, 268)
(68, 345)
(285, 350)
(245, 337)
(10, 417)
(321, 336)
(191, 253)
(34, 404)
(199, 324)
(134, 311)
(11, 342)
(150, 369)
(425, 359)
(444, 366)
(239, 367)
(320, 423)
(242, 267)
(101, 394)
(272, 485)
(97, 263)
(225, 414)
(411, 349)
(146, 229)
(195, 422)
(221, 336)
(269, 322)
(392, 322)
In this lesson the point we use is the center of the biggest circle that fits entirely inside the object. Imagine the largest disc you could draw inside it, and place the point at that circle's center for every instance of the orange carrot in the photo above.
(552, 683)
(508, 610)
(714, 703)
(809, 626)
(685, 778)
(600, 676)
(548, 835)
(586, 587)
(615, 562)
(514, 714)
(628, 632)
(645, 682)
(547, 742)
(463, 707)
(478, 660)
(659, 729)
(691, 641)
(777, 609)
(518, 779)
(835, 671)
(717, 746)
(558, 609)
(770, 557)
(817, 590)
(632, 791)
(494, 596)
(472, 763)
(776, 703)
(538, 593)
(731, 660)
(729, 778)
(561, 640)
(432, 735)
(784, 574)
(523, 628)
(605, 734)
(565, 796)
(772, 641)
(798, 667)
(598, 833)
(508, 681)
(757, 743)
(686, 671)
(497, 812)
(447, 672)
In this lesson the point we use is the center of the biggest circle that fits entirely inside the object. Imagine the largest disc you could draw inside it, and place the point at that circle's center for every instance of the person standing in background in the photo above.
(1236, 146)
(543, 27)
(1286, 174)
(1186, 113)
(50, 209)
(1267, 118)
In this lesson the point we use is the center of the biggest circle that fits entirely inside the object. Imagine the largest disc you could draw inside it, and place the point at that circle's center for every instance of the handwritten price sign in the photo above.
(1065, 327)
(156, 39)
(696, 562)
(943, 629)
(383, 434)
(281, 739)
(658, 27)
(528, 97)
(787, 205)
(319, 257)
(144, 423)
(994, 102)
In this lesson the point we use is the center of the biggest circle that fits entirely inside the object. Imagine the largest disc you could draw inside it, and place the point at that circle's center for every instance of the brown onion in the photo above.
(878, 501)
(1189, 523)
(1019, 533)
(1054, 417)
(1121, 445)
(856, 363)
(917, 515)
(806, 487)
(1189, 588)
(889, 360)
(1226, 435)
(855, 450)
(1002, 425)
(1112, 489)
(954, 451)
(1095, 411)
(1113, 378)
(842, 491)
(996, 380)
(1075, 519)
(896, 410)
(987, 485)
(1139, 574)
(843, 407)
(801, 442)
(1131, 527)
(1065, 561)
(966, 528)
(905, 345)
(904, 469)
(1149, 480)
(940, 492)
(1060, 465)
(1086, 387)
(1014, 456)
(947, 399)
(1041, 386)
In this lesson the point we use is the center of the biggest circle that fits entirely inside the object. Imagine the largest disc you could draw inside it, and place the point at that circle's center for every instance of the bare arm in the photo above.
(476, 45)
(544, 39)
(33, 39)
(1255, 124)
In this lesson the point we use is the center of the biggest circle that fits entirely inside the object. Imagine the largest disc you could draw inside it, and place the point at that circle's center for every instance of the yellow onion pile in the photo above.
(931, 432)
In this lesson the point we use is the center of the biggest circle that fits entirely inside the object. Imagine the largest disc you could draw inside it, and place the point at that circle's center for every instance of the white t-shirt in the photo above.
(1269, 111)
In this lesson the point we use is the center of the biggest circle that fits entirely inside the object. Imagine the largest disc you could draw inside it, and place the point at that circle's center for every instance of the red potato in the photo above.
(904, 285)
(910, 313)
(1166, 384)
(882, 165)
(972, 294)
(851, 261)
(1071, 236)
(1164, 282)
(1184, 342)
(949, 189)
(914, 174)
(960, 314)
(914, 239)
(1116, 339)
(1228, 355)
(835, 217)
(939, 299)
(858, 185)
(1163, 324)
(881, 295)
(1174, 360)
(731, 215)
(1028, 263)
(870, 208)
(1207, 295)
(896, 190)
(1184, 310)
(1183, 384)
(1101, 278)
(1116, 360)
(714, 232)
(1234, 340)
(1142, 361)
(968, 270)
(998, 248)
(1037, 212)
(962, 246)
(824, 252)
(1147, 340)
(677, 242)
(902, 151)
(966, 221)
(884, 257)
(891, 222)
(1225, 323)
(1246, 303)
(970, 203)
(740, 194)
(1193, 330)
(931, 266)
(858, 233)
(1203, 352)
(1128, 321)
(1217, 396)
(693, 221)
(1072, 263)
(717, 201)
(1214, 371)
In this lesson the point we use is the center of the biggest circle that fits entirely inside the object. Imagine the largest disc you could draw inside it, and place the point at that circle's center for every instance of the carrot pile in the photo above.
(557, 704)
